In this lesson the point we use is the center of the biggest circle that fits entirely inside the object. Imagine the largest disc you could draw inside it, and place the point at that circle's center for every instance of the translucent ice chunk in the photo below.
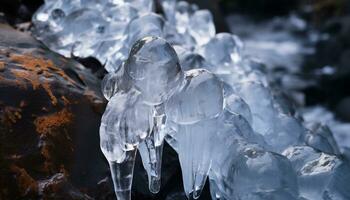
(222, 51)
(169, 10)
(140, 86)
(253, 173)
(236, 104)
(109, 141)
(143, 6)
(112, 53)
(96, 4)
(122, 174)
(147, 25)
(288, 131)
(114, 82)
(264, 175)
(320, 137)
(195, 119)
(95, 28)
(151, 150)
(220, 135)
(259, 100)
(154, 68)
(194, 160)
(299, 155)
(49, 16)
(192, 104)
(317, 172)
(202, 27)
(126, 12)
(320, 176)
(133, 120)
(338, 186)
(112, 145)
(91, 24)
(151, 155)
(190, 60)
(182, 16)
(233, 126)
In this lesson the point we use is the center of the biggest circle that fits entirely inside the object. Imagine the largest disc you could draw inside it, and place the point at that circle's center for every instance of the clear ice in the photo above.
(172, 78)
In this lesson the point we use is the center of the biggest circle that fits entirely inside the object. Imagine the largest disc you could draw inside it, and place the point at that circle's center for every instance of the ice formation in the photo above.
(172, 78)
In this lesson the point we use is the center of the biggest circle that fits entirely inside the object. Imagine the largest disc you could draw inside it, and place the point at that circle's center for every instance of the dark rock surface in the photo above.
(343, 109)
(50, 110)
(259, 9)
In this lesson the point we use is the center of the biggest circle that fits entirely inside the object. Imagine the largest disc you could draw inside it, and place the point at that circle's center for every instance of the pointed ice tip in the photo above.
(197, 193)
(123, 195)
(154, 185)
(199, 183)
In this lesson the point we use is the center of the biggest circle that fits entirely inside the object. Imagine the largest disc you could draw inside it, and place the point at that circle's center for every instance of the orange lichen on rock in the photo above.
(46, 124)
(65, 100)
(25, 182)
(47, 127)
(48, 166)
(37, 71)
(10, 115)
(28, 76)
(2, 66)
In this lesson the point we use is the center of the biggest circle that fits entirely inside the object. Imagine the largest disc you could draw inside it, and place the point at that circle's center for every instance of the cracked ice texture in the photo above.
(174, 78)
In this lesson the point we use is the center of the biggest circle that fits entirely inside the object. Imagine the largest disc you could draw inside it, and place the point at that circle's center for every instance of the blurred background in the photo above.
(305, 44)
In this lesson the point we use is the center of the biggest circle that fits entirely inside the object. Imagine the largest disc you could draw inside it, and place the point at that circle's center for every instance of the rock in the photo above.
(57, 187)
(343, 109)
(344, 62)
(260, 8)
(50, 109)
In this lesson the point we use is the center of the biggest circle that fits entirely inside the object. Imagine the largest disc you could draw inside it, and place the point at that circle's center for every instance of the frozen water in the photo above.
(114, 82)
(195, 160)
(135, 115)
(192, 104)
(264, 175)
(236, 104)
(285, 131)
(320, 176)
(201, 26)
(173, 78)
(254, 174)
(222, 51)
(182, 14)
(190, 60)
(154, 69)
(147, 25)
(320, 137)
(133, 119)
(152, 148)
(194, 118)
(339, 130)
(97, 28)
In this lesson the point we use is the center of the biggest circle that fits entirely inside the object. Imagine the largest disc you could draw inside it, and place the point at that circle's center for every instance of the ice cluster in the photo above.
(172, 78)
